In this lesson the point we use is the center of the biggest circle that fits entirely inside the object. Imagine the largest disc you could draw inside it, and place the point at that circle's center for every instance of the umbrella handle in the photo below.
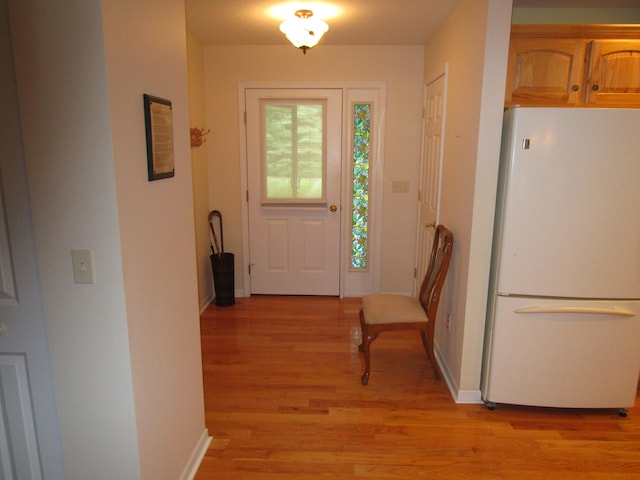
(215, 213)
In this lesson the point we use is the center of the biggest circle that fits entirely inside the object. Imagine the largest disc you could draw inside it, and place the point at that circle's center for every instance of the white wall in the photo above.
(66, 128)
(473, 42)
(146, 52)
(400, 67)
(125, 352)
(200, 169)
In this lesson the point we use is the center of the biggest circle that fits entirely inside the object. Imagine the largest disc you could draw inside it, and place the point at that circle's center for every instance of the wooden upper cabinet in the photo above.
(614, 73)
(574, 65)
(545, 71)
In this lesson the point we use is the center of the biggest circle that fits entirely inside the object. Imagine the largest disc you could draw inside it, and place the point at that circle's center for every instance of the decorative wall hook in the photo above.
(198, 136)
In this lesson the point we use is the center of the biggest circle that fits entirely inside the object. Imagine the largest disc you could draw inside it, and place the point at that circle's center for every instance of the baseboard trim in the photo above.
(452, 385)
(458, 396)
(205, 303)
(469, 396)
(191, 468)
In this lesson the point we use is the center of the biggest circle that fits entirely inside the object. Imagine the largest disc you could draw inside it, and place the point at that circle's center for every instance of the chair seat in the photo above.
(384, 308)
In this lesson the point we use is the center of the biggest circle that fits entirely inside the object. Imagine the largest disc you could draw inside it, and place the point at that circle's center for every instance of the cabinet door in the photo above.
(545, 71)
(614, 73)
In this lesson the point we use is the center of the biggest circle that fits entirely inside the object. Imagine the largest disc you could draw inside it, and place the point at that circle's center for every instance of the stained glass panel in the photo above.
(360, 194)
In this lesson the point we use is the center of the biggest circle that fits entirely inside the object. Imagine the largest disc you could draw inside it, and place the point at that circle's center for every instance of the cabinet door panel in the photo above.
(545, 71)
(614, 73)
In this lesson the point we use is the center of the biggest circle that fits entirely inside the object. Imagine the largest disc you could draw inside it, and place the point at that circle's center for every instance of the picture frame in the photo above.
(158, 121)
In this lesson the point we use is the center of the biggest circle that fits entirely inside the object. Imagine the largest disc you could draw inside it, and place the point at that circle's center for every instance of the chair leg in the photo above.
(365, 348)
(428, 347)
(363, 329)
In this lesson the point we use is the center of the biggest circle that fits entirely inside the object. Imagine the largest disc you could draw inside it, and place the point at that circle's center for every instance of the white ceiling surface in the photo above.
(351, 22)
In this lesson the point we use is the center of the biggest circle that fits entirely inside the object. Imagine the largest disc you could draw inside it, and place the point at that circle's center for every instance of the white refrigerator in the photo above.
(563, 318)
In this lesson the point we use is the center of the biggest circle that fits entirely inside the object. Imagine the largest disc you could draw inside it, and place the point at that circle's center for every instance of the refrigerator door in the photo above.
(553, 353)
(569, 223)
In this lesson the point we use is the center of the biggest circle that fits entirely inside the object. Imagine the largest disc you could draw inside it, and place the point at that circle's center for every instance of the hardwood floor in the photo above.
(283, 400)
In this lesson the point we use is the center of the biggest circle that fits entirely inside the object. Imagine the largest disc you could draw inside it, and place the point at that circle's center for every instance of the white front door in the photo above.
(434, 111)
(293, 168)
(29, 441)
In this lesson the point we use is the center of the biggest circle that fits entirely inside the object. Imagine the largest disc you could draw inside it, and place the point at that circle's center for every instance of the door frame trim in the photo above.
(351, 284)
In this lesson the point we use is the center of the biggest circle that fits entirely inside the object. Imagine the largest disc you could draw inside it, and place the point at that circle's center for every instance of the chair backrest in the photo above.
(439, 261)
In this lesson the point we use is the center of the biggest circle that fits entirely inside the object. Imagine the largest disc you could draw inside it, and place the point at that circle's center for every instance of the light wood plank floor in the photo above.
(284, 401)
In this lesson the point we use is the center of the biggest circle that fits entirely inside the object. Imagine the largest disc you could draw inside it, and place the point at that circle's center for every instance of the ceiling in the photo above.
(351, 22)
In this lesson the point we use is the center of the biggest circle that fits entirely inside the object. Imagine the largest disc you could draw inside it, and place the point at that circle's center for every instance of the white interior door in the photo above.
(431, 168)
(29, 441)
(294, 176)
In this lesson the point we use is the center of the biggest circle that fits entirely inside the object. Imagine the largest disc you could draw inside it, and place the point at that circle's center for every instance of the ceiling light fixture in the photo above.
(304, 31)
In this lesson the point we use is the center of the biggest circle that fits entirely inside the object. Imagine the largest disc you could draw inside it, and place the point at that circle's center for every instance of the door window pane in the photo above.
(293, 152)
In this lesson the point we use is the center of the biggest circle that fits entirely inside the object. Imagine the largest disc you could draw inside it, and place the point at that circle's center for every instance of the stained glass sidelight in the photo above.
(360, 194)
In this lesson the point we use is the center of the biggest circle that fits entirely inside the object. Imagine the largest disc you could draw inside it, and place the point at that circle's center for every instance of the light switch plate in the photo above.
(83, 268)
(400, 186)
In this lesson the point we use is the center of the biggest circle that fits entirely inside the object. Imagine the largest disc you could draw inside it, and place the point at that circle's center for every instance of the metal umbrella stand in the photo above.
(222, 265)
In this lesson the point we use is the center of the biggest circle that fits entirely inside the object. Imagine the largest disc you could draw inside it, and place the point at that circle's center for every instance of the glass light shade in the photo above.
(304, 31)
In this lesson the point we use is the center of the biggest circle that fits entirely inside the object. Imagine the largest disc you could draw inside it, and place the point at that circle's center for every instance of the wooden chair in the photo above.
(385, 312)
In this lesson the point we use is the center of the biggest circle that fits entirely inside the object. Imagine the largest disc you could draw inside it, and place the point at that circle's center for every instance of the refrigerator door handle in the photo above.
(619, 312)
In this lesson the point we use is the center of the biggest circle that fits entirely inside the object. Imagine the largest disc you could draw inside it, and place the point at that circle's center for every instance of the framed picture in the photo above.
(159, 130)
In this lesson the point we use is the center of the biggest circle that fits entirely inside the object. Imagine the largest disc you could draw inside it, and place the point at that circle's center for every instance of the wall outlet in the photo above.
(448, 322)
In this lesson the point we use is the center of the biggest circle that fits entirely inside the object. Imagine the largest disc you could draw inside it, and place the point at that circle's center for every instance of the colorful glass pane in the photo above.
(360, 194)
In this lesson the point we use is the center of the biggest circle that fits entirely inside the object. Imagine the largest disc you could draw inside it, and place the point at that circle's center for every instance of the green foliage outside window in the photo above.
(294, 156)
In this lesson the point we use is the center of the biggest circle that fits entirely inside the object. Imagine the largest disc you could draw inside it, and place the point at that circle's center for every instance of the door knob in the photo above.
(430, 225)
(333, 208)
